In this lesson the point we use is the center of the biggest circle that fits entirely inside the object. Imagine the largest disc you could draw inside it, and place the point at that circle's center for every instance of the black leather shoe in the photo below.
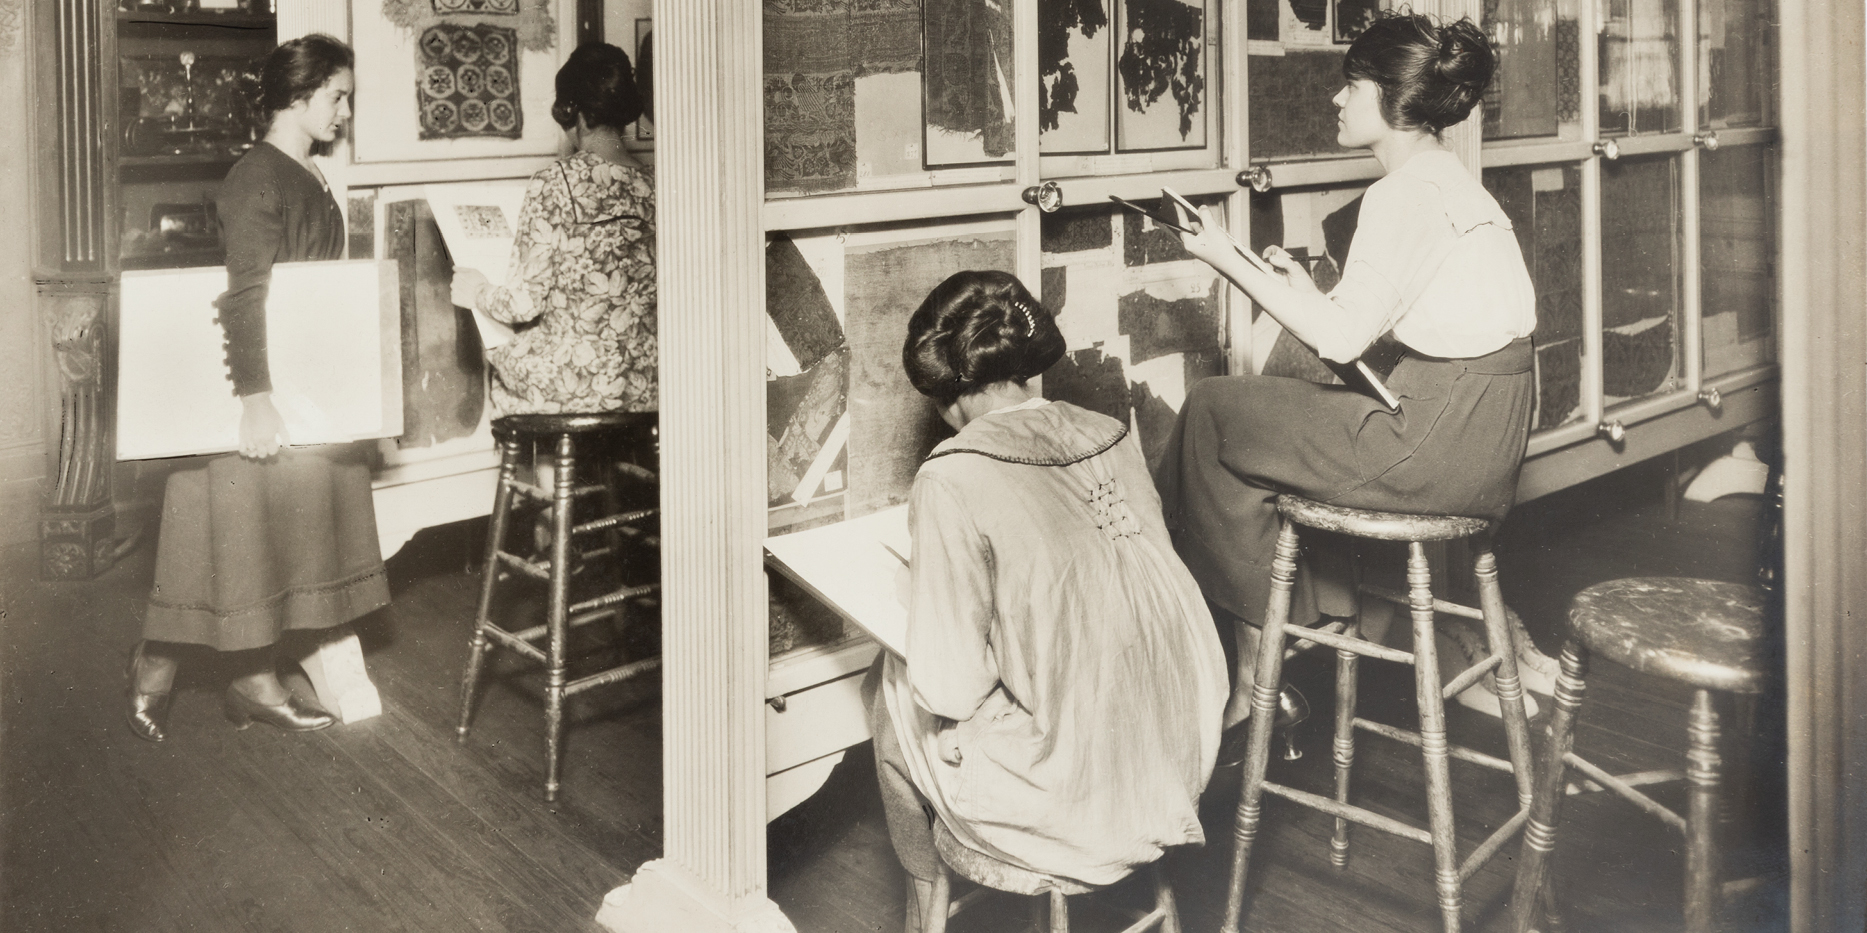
(293, 715)
(148, 712)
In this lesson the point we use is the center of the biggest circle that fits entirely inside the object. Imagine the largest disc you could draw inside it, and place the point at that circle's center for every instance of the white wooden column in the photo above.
(711, 271)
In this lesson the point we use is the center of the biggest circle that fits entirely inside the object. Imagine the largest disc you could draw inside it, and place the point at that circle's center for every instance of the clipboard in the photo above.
(1356, 374)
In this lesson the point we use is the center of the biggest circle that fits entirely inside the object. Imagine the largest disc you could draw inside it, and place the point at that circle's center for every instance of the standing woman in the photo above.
(1433, 263)
(266, 539)
(583, 260)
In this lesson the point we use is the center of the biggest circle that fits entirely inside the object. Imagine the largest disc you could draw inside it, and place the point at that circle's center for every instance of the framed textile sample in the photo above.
(455, 79)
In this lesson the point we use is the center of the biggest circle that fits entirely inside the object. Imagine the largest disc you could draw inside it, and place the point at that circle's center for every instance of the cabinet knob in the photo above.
(1608, 149)
(777, 703)
(1257, 178)
(1614, 431)
(1047, 197)
(1706, 141)
(1711, 399)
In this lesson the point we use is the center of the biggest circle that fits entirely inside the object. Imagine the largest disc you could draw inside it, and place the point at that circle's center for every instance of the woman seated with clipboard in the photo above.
(1435, 264)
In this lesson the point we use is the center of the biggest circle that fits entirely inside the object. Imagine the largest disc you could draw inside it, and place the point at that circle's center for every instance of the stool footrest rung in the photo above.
(1146, 921)
(1305, 644)
(1625, 790)
(536, 569)
(535, 491)
(1350, 812)
(1470, 675)
(1358, 645)
(610, 599)
(1413, 738)
(1636, 779)
(611, 521)
(1439, 605)
(613, 675)
(1490, 846)
(515, 641)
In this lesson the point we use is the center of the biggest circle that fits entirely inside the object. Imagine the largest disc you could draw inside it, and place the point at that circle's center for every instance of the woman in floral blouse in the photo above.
(583, 263)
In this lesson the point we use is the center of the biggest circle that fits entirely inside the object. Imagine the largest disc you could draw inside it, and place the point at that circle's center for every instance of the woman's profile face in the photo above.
(1358, 122)
(323, 114)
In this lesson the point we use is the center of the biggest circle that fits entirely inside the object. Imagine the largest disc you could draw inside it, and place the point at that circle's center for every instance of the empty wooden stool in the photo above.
(566, 434)
(1501, 662)
(1703, 633)
(996, 875)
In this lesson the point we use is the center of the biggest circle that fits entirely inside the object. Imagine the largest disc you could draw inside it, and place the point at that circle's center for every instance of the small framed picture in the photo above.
(1352, 17)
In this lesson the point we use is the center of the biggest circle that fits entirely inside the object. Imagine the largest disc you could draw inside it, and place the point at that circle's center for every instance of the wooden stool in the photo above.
(515, 434)
(1699, 632)
(992, 874)
(1501, 661)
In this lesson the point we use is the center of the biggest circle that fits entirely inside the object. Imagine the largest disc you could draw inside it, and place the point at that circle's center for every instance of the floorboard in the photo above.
(392, 825)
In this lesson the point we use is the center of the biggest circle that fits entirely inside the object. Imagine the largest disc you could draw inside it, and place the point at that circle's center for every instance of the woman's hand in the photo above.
(1295, 274)
(1208, 242)
(466, 288)
(946, 733)
(262, 431)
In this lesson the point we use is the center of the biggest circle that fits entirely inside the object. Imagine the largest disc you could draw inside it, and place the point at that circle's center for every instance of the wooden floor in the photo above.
(388, 825)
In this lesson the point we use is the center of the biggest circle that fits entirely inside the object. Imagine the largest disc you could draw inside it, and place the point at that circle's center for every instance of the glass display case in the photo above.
(183, 117)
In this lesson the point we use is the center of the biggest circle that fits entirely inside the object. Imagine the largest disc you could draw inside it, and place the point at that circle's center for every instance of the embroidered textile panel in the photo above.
(815, 50)
(467, 81)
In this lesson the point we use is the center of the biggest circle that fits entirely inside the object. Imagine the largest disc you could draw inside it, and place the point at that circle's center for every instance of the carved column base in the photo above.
(77, 544)
(665, 896)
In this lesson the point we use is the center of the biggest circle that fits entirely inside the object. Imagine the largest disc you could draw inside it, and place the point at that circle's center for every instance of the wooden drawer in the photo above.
(815, 722)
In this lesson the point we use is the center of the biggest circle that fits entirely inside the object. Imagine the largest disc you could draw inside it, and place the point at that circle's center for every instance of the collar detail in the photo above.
(600, 191)
(1057, 434)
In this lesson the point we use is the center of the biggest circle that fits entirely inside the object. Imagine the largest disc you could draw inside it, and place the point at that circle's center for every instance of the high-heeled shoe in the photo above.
(148, 712)
(1292, 709)
(293, 715)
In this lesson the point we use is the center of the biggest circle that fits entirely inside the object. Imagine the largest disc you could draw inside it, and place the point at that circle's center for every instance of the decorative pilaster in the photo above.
(75, 298)
(709, 190)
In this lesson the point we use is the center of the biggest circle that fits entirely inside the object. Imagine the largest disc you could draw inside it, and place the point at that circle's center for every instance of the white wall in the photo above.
(22, 415)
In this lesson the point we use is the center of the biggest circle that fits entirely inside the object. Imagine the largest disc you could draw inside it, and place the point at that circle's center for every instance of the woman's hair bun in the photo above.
(977, 328)
(1431, 75)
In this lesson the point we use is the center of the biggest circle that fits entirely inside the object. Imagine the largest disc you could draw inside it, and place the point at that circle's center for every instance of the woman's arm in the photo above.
(952, 609)
(253, 227)
(534, 250)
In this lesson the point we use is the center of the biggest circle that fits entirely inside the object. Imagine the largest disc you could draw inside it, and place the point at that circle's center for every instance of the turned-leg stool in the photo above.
(1501, 662)
(1700, 632)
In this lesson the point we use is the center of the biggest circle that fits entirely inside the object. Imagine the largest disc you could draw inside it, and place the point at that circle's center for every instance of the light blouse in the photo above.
(1435, 261)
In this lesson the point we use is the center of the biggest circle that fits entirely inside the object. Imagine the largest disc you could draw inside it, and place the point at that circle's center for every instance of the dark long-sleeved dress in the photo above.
(251, 548)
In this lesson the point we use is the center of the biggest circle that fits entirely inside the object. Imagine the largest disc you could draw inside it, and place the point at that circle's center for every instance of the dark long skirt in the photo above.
(1453, 448)
(249, 549)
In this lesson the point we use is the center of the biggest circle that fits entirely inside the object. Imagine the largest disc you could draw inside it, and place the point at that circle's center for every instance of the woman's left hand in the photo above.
(466, 288)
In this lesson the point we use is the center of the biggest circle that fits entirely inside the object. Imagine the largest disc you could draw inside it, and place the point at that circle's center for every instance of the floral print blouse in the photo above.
(583, 278)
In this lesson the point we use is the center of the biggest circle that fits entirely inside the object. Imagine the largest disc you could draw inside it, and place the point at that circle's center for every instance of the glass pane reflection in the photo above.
(1737, 251)
(1639, 277)
(1544, 204)
(1539, 50)
(1639, 67)
(1736, 62)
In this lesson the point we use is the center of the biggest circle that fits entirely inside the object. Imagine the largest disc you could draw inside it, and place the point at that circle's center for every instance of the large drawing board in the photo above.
(333, 335)
(851, 566)
(480, 222)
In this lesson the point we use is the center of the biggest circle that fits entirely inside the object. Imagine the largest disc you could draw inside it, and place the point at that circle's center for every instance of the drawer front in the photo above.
(826, 718)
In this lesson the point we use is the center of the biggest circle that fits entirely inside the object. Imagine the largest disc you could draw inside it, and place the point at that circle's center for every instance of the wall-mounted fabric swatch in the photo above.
(814, 51)
(1058, 84)
(467, 81)
(1056, 289)
(1289, 99)
(797, 304)
(1156, 327)
(968, 71)
(1161, 62)
(1074, 229)
(892, 426)
(796, 440)
(1093, 380)
(443, 366)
